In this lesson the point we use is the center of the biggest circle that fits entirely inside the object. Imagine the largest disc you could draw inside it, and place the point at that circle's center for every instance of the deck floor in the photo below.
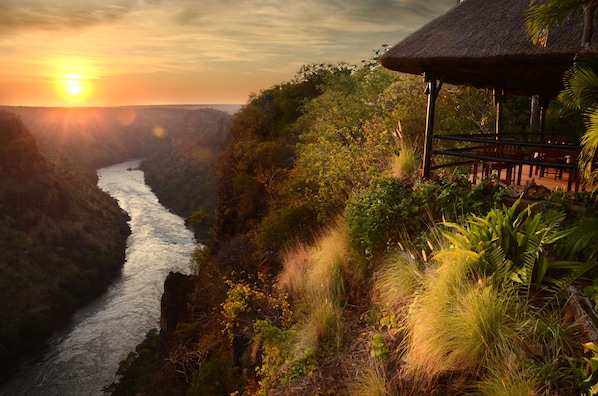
(548, 180)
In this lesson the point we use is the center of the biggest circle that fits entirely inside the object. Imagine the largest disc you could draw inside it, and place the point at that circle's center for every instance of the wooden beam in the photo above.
(432, 92)
(499, 100)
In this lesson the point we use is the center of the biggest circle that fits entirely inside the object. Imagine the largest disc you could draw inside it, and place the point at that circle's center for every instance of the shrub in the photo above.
(391, 210)
(282, 360)
(379, 214)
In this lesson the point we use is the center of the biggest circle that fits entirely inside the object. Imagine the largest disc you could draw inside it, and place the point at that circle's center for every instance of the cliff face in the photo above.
(62, 240)
(178, 289)
(182, 173)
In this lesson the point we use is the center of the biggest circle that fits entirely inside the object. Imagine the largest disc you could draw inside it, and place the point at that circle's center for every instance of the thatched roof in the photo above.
(483, 43)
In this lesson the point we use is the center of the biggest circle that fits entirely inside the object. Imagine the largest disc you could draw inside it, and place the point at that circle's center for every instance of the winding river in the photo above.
(83, 358)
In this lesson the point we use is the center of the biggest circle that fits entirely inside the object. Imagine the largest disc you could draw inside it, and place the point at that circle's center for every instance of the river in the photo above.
(83, 358)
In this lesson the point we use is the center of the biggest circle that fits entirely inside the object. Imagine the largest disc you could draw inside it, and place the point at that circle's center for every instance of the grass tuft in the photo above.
(457, 321)
(296, 265)
(397, 280)
(371, 381)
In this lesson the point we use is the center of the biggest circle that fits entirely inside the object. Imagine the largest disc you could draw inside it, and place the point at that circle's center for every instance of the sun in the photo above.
(74, 89)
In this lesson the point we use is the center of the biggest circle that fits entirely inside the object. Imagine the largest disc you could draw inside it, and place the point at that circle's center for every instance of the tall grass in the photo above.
(507, 377)
(370, 381)
(296, 265)
(404, 163)
(316, 277)
(471, 317)
(456, 324)
(398, 279)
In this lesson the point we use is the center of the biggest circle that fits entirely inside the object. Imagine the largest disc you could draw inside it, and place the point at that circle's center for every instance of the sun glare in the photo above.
(74, 88)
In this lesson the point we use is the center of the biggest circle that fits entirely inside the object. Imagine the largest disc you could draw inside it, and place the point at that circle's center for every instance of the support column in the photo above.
(534, 117)
(499, 100)
(432, 92)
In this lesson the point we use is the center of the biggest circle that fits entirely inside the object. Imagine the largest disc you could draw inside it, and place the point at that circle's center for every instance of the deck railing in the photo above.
(485, 148)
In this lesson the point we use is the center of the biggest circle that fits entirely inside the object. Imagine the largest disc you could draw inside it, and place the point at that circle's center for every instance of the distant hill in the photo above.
(62, 240)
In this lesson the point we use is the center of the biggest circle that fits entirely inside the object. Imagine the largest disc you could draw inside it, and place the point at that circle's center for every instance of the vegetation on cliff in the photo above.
(62, 240)
(179, 146)
(329, 254)
(182, 172)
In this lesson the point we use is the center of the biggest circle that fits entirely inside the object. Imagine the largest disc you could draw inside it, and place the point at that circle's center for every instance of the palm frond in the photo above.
(584, 238)
(541, 17)
(581, 87)
(556, 287)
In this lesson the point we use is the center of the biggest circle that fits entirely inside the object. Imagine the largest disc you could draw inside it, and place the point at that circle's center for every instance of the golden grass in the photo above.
(296, 265)
(370, 381)
(315, 277)
(397, 280)
(405, 163)
(505, 376)
(322, 326)
(456, 321)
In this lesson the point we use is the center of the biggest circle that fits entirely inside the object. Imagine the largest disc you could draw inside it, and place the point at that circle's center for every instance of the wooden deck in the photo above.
(549, 181)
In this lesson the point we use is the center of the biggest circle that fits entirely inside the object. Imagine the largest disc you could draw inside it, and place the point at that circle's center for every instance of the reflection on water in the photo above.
(83, 359)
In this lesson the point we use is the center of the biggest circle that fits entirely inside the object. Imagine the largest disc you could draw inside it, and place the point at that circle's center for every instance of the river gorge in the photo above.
(83, 358)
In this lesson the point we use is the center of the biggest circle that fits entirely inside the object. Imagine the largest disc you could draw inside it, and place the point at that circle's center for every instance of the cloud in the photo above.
(243, 38)
(16, 16)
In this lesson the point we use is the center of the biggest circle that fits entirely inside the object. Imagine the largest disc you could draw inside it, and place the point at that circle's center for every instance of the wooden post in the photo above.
(432, 92)
(534, 117)
(499, 100)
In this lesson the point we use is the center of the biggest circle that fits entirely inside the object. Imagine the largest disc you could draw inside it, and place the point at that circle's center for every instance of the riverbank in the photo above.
(84, 357)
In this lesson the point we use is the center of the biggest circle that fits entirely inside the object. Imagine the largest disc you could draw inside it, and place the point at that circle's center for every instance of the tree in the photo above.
(581, 80)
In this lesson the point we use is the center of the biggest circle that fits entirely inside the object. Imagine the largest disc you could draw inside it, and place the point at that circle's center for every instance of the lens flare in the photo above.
(160, 132)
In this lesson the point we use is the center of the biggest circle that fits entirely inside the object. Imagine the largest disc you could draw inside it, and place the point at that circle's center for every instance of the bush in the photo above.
(379, 214)
(392, 210)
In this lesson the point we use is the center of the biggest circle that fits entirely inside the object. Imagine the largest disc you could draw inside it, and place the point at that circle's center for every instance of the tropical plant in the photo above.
(581, 80)
(542, 16)
(590, 371)
(509, 245)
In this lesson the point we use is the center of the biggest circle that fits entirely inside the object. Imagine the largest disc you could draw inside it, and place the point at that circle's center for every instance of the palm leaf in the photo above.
(559, 285)
(541, 17)
(584, 238)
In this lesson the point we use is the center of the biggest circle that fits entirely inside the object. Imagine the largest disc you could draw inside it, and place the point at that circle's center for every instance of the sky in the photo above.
(142, 52)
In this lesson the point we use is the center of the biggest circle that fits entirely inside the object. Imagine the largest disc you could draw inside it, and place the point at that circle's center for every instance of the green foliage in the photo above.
(246, 303)
(242, 300)
(137, 373)
(379, 350)
(391, 210)
(282, 361)
(590, 383)
(384, 209)
(541, 16)
(510, 245)
(216, 376)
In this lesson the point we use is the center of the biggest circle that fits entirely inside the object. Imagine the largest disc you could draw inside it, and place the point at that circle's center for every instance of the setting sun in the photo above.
(74, 88)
